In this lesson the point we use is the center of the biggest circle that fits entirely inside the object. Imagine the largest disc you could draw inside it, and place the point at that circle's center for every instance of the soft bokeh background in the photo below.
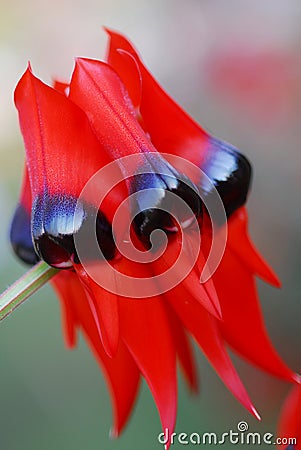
(235, 66)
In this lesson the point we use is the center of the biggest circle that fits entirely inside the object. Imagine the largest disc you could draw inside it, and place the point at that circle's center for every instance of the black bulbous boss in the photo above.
(229, 171)
(49, 233)
(152, 205)
(55, 221)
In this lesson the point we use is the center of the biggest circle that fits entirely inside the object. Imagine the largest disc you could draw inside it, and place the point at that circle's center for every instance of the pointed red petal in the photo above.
(191, 284)
(144, 328)
(59, 140)
(25, 195)
(243, 326)
(209, 285)
(290, 419)
(245, 249)
(121, 371)
(205, 330)
(98, 90)
(171, 129)
(131, 73)
(105, 309)
(68, 316)
(184, 350)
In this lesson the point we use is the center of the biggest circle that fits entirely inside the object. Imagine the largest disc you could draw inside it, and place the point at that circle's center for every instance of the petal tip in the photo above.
(113, 433)
(109, 31)
(255, 413)
(276, 282)
(296, 377)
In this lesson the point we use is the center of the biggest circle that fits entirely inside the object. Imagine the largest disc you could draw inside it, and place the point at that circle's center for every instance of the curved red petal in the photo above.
(121, 371)
(105, 306)
(98, 90)
(190, 285)
(245, 250)
(184, 350)
(171, 129)
(145, 329)
(290, 419)
(205, 330)
(70, 324)
(25, 194)
(58, 139)
(243, 326)
(131, 73)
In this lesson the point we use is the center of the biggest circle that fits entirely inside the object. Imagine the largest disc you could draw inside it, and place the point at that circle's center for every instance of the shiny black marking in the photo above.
(229, 171)
(149, 207)
(55, 221)
(20, 236)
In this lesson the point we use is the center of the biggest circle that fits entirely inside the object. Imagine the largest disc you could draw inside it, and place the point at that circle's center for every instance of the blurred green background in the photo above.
(235, 66)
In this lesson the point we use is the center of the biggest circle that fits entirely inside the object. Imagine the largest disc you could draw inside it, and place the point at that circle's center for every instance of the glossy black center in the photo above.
(230, 173)
(152, 205)
(55, 221)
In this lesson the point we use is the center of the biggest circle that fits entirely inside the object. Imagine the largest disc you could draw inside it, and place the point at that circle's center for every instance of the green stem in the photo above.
(23, 288)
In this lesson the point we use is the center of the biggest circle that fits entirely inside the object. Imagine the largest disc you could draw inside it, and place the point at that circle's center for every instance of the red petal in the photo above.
(290, 419)
(121, 371)
(243, 325)
(190, 285)
(184, 350)
(98, 90)
(245, 250)
(131, 73)
(105, 309)
(145, 330)
(144, 327)
(171, 129)
(25, 196)
(205, 330)
(58, 139)
(61, 286)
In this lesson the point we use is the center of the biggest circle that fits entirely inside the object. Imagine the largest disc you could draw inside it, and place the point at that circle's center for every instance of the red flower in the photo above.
(290, 421)
(107, 112)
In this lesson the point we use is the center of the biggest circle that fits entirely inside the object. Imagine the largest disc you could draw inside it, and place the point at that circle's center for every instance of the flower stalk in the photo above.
(23, 288)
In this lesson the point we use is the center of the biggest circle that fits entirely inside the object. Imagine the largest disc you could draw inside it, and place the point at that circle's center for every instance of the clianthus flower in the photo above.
(108, 112)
